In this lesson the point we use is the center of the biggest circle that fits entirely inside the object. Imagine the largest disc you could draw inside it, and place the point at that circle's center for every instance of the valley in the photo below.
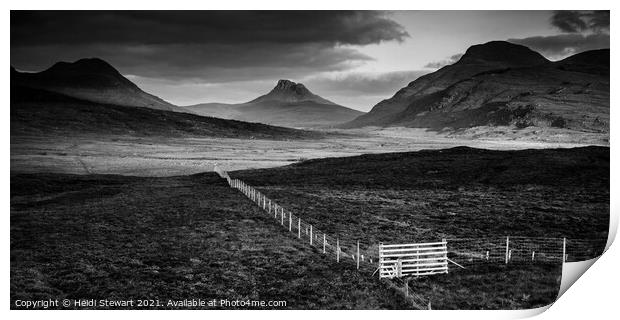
(170, 156)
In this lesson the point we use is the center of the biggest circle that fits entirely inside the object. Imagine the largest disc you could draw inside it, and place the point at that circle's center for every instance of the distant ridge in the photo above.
(287, 104)
(91, 79)
(503, 84)
(36, 112)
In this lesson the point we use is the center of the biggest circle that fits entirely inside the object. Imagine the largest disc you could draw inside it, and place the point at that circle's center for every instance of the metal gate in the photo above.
(412, 259)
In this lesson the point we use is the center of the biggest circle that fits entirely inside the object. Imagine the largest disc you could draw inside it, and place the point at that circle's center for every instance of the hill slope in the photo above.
(500, 83)
(36, 111)
(92, 80)
(288, 104)
(169, 238)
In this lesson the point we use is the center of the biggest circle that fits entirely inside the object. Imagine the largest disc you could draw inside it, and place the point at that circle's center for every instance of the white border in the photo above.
(593, 296)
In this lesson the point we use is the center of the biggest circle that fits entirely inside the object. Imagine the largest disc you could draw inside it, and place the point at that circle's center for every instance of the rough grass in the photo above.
(458, 192)
(493, 286)
(454, 193)
(115, 237)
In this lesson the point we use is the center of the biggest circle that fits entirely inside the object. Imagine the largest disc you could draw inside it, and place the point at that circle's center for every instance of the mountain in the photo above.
(37, 112)
(290, 92)
(91, 80)
(287, 104)
(503, 84)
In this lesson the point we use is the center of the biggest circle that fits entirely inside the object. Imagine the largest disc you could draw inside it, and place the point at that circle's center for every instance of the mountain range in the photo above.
(503, 84)
(89, 96)
(288, 104)
(493, 84)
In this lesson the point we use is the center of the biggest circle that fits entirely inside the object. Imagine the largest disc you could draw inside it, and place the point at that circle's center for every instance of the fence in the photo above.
(463, 252)
(414, 259)
(327, 244)
(522, 250)
(340, 250)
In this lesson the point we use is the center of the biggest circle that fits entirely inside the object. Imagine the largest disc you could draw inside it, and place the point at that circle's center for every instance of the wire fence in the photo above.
(339, 249)
(523, 250)
(347, 251)
(463, 252)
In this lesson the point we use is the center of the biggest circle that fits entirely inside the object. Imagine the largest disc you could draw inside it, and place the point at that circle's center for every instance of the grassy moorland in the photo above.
(190, 237)
(458, 192)
(120, 237)
(455, 193)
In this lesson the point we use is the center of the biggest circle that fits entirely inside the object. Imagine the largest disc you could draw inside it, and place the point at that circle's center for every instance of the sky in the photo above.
(354, 58)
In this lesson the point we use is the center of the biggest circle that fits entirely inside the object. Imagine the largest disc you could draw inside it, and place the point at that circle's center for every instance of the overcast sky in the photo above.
(352, 58)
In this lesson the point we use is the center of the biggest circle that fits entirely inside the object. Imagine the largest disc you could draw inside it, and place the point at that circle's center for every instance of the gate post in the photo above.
(564, 250)
(507, 248)
(358, 254)
(337, 250)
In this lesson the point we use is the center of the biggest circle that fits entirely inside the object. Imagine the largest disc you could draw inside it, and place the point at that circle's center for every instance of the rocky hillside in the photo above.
(503, 84)
(287, 104)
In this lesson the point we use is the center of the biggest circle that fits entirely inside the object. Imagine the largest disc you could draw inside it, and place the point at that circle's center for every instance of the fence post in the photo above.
(324, 242)
(358, 254)
(507, 245)
(290, 222)
(533, 253)
(337, 250)
(310, 234)
(282, 218)
(406, 288)
(299, 228)
(564, 250)
(380, 257)
(446, 247)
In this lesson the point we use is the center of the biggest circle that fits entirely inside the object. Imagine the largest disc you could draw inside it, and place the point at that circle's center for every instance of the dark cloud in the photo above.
(581, 21)
(583, 31)
(216, 46)
(166, 27)
(563, 45)
(202, 63)
(438, 64)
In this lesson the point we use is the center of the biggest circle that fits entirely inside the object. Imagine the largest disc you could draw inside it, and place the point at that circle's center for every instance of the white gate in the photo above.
(412, 259)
